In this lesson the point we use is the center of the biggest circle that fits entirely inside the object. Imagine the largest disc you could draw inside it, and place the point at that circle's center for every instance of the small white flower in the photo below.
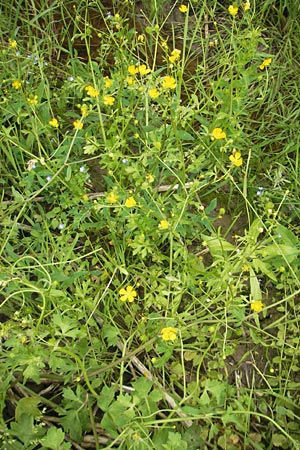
(71, 78)
(82, 169)
(124, 160)
(49, 178)
(61, 226)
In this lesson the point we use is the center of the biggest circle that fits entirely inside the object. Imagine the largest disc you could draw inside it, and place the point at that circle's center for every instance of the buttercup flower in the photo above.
(168, 333)
(169, 82)
(130, 81)
(265, 63)
(153, 93)
(150, 178)
(77, 124)
(175, 55)
(84, 110)
(112, 197)
(53, 122)
(233, 10)
(12, 43)
(91, 91)
(33, 100)
(108, 100)
(143, 70)
(16, 84)
(183, 8)
(133, 70)
(107, 82)
(218, 133)
(127, 294)
(163, 225)
(256, 306)
(130, 202)
(236, 159)
(246, 5)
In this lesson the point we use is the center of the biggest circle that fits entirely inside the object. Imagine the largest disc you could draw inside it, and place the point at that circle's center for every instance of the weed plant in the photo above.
(150, 230)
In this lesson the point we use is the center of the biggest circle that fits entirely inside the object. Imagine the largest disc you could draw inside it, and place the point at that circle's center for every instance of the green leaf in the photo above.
(111, 334)
(217, 245)
(287, 252)
(261, 266)
(279, 440)
(286, 235)
(254, 286)
(24, 429)
(184, 135)
(115, 419)
(106, 397)
(54, 438)
(27, 406)
(33, 371)
(17, 196)
(72, 425)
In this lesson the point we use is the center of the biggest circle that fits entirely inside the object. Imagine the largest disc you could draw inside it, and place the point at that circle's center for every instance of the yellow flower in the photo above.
(133, 70)
(168, 333)
(91, 91)
(245, 268)
(107, 82)
(84, 110)
(53, 122)
(256, 306)
(246, 5)
(143, 70)
(136, 436)
(112, 197)
(169, 82)
(150, 178)
(163, 225)
(141, 38)
(16, 84)
(265, 63)
(108, 100)
(183, 8)
(127, 294)
(236, 159)
(130, 81)
(218, 133)
(12, 43)
(233, 10)
(130, 202)
(175, 55)
(153, 93)
(77, 124)
(33, 100)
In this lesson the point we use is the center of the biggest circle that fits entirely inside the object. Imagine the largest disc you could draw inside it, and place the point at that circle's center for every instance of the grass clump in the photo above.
(149, 225)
